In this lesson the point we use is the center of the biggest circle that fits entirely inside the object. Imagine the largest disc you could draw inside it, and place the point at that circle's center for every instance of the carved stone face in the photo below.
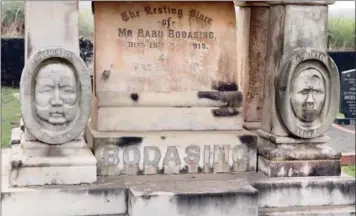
(308, 95)
(56, 95)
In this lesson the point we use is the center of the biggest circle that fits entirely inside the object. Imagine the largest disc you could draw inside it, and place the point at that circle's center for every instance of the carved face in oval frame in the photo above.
(307, 93)
(56, 95)
(55, 92)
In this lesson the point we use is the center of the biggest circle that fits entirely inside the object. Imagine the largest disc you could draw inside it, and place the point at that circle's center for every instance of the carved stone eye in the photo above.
(67, 90)
(304, 92)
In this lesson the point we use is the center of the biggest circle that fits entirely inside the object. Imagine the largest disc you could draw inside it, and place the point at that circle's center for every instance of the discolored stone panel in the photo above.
(163, 47)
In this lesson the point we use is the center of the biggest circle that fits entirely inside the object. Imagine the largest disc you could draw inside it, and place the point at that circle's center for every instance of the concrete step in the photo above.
(344, 210)
(305, 191)
(208, 198)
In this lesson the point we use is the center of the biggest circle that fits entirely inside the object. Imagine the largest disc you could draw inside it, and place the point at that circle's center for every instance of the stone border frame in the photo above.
(283, 86)
(28, 76)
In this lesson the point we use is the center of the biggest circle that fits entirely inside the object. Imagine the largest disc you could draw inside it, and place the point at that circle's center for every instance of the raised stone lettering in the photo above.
(221, 159)
(192, 158)
(152, 156)
(111, 156)
(131, 159)
(171, 161)
(240, 158)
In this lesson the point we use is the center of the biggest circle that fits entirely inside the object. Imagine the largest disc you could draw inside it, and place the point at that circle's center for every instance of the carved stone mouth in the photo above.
(57, 114)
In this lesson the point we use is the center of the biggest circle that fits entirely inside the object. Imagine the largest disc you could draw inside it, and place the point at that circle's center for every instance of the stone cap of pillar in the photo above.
(288, 2)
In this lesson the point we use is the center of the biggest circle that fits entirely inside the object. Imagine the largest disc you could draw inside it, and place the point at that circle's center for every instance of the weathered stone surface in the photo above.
(168, 118)
(303, 192)
(88, 200)
(298, 168)
(59, 26)
(22, 125)
(282, 152)
(169, 99)
(243, 35)
(344, 210)
(308, 91)
(134, 153)
(36, 163)
(292, 27)
(16, 136)
(255, 72)
(164, 46)
(292, 140)
(251, 125)
(55, 93)
(193, 198)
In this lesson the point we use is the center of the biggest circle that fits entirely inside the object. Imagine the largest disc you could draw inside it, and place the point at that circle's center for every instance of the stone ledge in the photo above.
(305, 191)
(290, 140)
(271, 151)
(81, 200)
(16, 134)
(344, 210)
(169, 118)
(298, 168)
(251, 125)
(35, 163)
(209, 198)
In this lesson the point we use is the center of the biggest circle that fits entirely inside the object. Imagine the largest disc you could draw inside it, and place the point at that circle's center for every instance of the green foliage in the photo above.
(341, 34)
(350, 170)
(12, 18)
(86, 23)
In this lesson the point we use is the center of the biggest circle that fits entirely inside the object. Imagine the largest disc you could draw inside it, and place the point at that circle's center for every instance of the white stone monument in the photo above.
(55, 94)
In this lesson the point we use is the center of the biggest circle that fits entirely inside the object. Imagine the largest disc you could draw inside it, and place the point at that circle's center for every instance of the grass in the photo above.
(342, 34)
(350, 170)
(10, 114)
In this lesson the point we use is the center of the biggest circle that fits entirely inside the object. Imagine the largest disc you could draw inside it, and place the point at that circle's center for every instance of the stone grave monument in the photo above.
(189, 115)
(348, 97)
(55, 94)
(302, 88)
(166, 98)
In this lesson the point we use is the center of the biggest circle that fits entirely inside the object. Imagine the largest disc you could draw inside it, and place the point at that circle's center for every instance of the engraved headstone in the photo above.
(174, 60)
(160, 46)
(348, 93)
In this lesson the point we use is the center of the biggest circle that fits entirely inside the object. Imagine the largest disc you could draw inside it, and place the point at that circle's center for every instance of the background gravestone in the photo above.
(348, 94)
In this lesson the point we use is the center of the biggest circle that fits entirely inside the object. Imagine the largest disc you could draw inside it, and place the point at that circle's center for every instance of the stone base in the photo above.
(251, 125)
(280, 152)
(183, 194)
(35, 163)
(209, 198)
(291, 140)
(299, 168)
(149, 153)
(345, 210)
(297, 160)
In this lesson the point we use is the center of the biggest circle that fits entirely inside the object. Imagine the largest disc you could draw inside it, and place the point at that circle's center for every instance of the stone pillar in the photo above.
(302, 93)
(252, 56)
(55, 94)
